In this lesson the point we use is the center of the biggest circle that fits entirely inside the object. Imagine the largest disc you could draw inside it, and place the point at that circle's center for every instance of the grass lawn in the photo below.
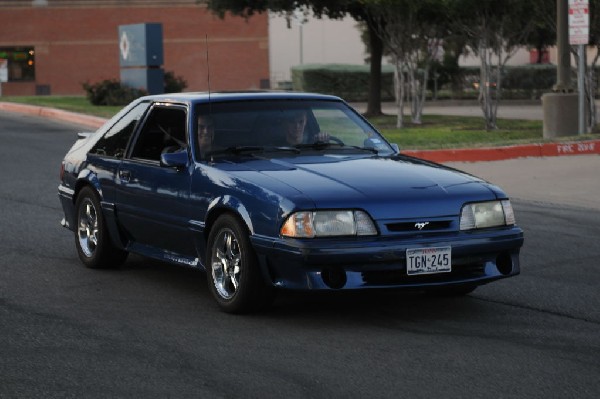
(436, 131)
(440, 131)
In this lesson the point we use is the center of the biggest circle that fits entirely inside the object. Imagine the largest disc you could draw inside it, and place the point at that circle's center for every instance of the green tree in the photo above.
(334, 9)
(412, 32)
(543, 33)
(494, 30)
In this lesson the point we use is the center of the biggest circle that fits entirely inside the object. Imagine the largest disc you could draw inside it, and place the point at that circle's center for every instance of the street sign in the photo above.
(579, 22)
(3, 70)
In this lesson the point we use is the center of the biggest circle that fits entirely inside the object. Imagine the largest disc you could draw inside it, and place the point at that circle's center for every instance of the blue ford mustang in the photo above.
(270, 191)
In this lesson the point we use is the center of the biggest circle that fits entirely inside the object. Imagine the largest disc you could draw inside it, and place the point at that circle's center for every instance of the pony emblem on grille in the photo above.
(421, 225)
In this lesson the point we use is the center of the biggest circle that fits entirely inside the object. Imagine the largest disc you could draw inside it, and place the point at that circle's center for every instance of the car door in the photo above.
(153, 199)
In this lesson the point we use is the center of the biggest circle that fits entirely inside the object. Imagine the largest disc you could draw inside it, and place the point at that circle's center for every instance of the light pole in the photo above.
(299, 19)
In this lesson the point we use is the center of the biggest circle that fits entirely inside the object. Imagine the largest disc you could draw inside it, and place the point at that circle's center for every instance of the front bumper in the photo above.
(354, 263)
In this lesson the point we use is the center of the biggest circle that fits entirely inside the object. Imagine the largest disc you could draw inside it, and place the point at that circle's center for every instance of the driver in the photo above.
(295, 125)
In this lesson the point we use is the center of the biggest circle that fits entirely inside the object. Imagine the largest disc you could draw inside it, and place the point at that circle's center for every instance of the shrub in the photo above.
(174, 84)
(111, 92)
(531, 80)
(350, 82)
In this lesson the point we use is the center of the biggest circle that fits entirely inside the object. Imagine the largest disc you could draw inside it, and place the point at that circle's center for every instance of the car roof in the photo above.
(202, 97)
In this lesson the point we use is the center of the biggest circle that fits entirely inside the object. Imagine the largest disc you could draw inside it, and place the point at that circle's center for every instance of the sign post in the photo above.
(579, 32)
(3, 72)
(141, 56)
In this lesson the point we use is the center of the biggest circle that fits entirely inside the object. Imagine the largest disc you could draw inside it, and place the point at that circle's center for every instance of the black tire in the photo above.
(94, 247)
(232, 269)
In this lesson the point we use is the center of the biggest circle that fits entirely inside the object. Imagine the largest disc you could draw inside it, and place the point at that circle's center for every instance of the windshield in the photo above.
(285, 126)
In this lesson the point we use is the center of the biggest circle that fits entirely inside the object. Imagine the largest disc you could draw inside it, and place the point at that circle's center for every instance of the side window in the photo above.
(164, 130)
(114, 142)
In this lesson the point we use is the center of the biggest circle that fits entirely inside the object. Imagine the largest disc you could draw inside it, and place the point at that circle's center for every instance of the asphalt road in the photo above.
(151, 330)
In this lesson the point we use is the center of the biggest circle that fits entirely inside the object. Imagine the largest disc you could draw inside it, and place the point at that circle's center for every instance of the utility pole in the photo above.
(563, 70)
(561, 106)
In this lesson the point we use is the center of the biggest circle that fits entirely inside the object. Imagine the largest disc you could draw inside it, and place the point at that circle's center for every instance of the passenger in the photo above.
(206, 133)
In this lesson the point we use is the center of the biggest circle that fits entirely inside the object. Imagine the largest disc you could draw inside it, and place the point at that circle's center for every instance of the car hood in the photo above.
(399, 187)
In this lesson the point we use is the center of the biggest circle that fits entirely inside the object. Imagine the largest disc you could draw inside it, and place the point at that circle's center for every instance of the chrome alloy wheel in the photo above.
(226, 261)
(87, 232)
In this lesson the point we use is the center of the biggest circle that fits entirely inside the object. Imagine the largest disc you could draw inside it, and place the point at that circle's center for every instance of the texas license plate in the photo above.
(428, 260)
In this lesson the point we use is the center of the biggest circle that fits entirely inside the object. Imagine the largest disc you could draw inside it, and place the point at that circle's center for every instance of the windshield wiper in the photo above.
(240, 149)
(322, 145)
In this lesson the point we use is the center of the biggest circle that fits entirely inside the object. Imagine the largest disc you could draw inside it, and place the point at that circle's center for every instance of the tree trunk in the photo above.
(485, 83)
(540, 54)
(590, 84)
(399, 92)
(374, 100)
(419, 95)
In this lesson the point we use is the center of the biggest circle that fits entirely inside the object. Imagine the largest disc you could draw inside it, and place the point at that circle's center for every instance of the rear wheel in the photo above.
(91, 237)
(232, 269)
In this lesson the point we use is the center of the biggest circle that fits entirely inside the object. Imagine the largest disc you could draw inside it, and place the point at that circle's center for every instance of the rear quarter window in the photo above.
(115, 140)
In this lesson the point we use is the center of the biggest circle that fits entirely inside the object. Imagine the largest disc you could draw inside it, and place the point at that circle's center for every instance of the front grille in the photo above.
(417, 226)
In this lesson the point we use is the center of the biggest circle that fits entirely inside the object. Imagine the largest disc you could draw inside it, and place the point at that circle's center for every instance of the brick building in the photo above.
(54, 46)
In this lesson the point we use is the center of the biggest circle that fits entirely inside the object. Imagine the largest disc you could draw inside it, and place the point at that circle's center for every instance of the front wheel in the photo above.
(91, 237)
(232, 269)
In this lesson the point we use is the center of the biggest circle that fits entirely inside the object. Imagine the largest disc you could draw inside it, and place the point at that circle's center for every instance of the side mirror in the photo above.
(178, 159)
(396, 148)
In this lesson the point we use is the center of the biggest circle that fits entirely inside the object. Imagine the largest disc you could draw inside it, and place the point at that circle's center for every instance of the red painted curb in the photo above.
(509, 152)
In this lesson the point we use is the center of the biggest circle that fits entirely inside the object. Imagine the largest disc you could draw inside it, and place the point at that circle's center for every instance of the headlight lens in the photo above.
(480, 215)
(328, 224)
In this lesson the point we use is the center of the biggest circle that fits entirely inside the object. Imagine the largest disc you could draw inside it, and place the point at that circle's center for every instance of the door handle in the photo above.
(125, 176)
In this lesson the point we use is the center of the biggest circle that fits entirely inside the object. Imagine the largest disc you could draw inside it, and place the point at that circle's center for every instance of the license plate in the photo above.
(428, 260)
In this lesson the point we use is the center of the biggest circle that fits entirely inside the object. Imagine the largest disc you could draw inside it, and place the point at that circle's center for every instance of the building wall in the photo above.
(317, 41)
(323, 41)
(77, 42)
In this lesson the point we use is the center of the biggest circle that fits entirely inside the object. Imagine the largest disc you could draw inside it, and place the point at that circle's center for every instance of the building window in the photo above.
(20, 63)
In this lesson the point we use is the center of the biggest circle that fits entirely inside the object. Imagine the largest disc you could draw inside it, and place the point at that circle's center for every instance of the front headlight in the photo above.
(327, 224)
(480, 215)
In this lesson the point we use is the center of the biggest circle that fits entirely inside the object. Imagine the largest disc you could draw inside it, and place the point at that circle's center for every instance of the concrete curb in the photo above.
(92, 122)
(450, 155)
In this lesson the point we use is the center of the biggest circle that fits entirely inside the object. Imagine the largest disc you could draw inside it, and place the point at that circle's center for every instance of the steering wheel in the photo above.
(336, 140)
(332, 139)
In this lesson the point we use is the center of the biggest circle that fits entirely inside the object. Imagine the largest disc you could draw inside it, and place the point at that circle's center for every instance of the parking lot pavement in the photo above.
(570, 180)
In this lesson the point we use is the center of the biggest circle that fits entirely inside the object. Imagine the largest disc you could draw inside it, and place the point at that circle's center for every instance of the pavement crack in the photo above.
(537, 309)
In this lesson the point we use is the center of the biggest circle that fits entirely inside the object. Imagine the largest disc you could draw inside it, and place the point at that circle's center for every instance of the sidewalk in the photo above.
(573, 181)
(450, 155)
